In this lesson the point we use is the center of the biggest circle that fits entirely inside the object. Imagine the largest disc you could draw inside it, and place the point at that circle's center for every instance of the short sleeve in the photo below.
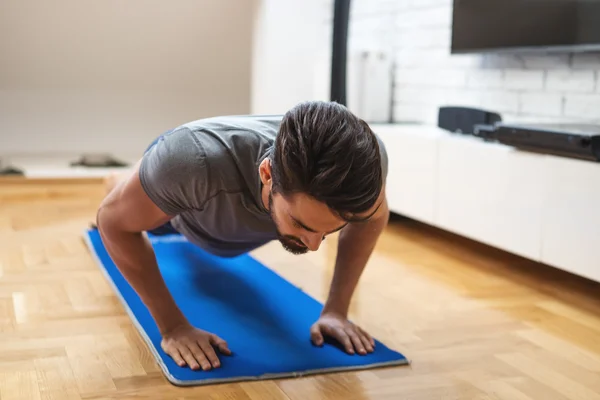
(173, 172)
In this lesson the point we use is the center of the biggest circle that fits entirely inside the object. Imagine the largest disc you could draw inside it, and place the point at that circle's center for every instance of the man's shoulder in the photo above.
(234, 142)
(259, 127)
(195, 161)
(384, 157)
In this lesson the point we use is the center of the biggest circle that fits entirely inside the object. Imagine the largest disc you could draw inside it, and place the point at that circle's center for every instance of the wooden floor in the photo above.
(475, 323)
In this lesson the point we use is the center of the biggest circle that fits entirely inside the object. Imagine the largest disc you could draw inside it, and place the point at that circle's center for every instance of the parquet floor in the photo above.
(475, 322)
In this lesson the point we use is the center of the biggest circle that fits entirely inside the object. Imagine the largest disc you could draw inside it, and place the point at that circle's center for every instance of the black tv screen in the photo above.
(525, 25)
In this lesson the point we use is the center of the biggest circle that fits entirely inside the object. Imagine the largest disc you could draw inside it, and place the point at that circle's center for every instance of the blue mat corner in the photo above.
(263, 317)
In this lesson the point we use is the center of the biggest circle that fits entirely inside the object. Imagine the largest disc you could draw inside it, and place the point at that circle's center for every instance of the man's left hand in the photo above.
(352, 337)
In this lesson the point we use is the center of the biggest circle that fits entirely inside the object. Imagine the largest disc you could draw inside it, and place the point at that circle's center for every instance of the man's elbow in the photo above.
(103, 219)
(111, 215)
(107, 218)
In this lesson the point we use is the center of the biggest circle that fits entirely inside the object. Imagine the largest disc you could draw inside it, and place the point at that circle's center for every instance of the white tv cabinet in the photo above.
(543, 207)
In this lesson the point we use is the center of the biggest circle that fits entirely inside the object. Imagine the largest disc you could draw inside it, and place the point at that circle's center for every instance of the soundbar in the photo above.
(458, 119)
(568, 140)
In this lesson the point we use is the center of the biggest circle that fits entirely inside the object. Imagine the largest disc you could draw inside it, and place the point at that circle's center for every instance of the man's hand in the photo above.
(194, 347)
(352, 337)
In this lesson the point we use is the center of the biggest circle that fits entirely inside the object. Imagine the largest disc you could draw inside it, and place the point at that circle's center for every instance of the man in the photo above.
(232, 184)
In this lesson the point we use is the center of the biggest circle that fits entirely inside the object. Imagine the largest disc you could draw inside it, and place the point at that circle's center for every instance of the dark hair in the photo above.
(325, 151)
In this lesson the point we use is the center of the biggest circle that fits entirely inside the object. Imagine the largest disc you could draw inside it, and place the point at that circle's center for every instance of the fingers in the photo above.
(204, 353)
(370, 342)
(367, 344)
(194, 348)
(192, 357)
(344, 339)
(356, 341)
(352, 337)
(174, 353)
(220, 344)
(316, 336)
(209, 351)
(365, 341)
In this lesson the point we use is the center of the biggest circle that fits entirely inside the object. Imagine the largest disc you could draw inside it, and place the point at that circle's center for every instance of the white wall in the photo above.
(110, 75)
(292, 50)
(292, 55)
(417, 33)
(546, 88)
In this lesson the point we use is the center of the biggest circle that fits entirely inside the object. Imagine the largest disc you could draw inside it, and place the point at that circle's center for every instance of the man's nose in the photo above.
(313, 241)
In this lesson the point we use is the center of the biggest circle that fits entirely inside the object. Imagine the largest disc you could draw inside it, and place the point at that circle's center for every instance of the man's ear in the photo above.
(265, 172)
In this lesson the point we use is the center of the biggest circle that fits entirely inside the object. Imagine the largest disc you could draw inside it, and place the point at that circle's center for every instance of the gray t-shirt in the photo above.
(205, 174)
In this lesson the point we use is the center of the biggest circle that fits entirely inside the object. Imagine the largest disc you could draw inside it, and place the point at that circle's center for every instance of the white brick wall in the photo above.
(500, 101)
(571, 81)
(486, 79)
(586, 105)
(542, 104)
(555, 61)
(524, 79)
(532, 87)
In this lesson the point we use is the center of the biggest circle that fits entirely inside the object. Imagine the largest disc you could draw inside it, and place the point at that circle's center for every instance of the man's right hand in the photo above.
(194, 347)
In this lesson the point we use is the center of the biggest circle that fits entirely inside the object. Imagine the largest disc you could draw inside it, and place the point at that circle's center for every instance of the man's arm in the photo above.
(355, 246)
(121, 219)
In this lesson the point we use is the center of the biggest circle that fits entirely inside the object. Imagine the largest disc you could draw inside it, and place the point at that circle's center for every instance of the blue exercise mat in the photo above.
(264, 318)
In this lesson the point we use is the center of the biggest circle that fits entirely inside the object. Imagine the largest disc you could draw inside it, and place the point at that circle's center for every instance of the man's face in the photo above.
(302, 222)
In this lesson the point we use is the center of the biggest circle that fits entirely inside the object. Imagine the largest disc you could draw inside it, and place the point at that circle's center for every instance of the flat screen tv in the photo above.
(525, 26)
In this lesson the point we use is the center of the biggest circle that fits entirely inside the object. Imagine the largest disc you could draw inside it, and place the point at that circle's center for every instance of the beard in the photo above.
(290, 243)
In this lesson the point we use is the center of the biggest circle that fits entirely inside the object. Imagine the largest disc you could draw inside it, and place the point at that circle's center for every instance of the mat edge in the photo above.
(294, 375)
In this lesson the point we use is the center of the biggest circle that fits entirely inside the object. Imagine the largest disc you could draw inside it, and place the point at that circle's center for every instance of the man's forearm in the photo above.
(132, 253)
(355, 246)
